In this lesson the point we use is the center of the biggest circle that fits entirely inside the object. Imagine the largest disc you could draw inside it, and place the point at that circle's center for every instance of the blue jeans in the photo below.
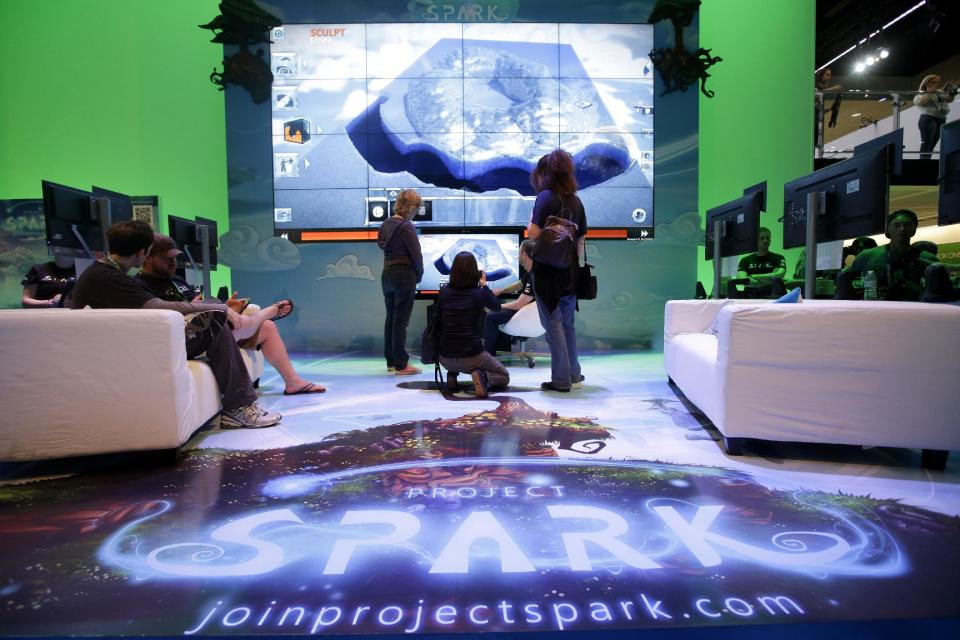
(399, 284)
(562, 339)
(929, 134)
(491, 328)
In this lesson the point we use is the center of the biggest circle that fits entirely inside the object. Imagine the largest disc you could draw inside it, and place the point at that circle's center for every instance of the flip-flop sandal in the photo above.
(284, 308)
(305, 389)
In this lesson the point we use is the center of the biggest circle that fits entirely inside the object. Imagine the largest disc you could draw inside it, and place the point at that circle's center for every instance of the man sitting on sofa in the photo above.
(158, 275)
(106, 285)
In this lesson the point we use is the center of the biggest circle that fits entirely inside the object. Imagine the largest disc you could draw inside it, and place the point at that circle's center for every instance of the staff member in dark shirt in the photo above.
(48, 283)
(462, 304)
(493, 321)
(106, 285)
(402, 270)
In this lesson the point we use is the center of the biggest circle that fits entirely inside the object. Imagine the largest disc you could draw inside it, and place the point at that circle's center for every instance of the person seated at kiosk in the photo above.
(462, 304)
(761, 269)
(48, 284)
(898, 265)
(495, 319)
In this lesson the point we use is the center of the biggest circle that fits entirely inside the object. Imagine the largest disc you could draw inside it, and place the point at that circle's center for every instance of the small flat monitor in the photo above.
(497, 250)
(740, 226)
(65, 208)
(212, 238)
(948, 207)
(186, 233)
(854, 198)
(894, 140)
(121, 209)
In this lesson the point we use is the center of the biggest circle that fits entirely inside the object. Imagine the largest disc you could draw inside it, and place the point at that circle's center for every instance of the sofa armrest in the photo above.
(689, 316)
(92, 380)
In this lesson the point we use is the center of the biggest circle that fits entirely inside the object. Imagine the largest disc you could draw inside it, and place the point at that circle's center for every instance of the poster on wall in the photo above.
(22, 245)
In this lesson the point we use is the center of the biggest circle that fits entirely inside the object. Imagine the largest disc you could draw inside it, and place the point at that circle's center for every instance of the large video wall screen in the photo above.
(462, 113)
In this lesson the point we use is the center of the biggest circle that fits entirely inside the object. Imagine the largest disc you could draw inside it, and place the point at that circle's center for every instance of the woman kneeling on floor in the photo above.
(462, 304)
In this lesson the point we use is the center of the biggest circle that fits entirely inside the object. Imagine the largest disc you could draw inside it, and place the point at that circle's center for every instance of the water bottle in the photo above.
(869, 286)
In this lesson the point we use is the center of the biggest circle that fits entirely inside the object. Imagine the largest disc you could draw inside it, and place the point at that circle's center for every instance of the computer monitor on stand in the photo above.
(76, 222)
(948, 208)
(198, 241)
(841, 201)
(732, 229)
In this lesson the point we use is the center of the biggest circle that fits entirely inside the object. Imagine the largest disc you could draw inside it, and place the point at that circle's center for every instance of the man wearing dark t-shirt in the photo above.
(762, 267)
(106, 285)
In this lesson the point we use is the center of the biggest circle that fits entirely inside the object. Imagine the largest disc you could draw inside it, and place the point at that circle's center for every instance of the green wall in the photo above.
(114, 93)
(760, 124)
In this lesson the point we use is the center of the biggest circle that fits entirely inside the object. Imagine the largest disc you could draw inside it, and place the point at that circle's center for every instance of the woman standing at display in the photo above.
(555, 288)
(402, 270)
(48, 283)
(462, 305)
(934, 105)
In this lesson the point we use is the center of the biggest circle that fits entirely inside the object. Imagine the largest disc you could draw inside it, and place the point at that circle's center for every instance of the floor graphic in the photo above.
(609, 508)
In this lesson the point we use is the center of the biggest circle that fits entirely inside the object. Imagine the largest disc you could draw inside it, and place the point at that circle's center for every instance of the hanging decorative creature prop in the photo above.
(678, 67)
(243, 23)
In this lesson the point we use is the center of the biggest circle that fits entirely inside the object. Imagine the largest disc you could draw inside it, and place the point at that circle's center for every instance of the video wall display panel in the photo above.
(461, 113)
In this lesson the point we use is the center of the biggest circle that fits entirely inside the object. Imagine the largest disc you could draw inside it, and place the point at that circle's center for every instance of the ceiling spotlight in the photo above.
(884, 53)
(860, 67)
(870, 60)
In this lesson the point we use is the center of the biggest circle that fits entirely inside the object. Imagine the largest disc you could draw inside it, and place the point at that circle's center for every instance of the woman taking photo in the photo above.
(462, 304)
(555, 288)
(402, 270)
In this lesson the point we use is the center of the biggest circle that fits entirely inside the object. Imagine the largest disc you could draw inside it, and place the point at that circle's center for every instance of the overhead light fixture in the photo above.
(860, 67)
(875, 33)
(884, 53)
(870, 60)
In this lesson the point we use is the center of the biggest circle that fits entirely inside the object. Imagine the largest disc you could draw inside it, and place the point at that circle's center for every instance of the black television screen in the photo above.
(212, 237)
(948, 207)
(66, 208)
(740, 225)
(121, 208)
(894, 139)
(854, 199)
(497, 251)
(461, 113)
(186, 233)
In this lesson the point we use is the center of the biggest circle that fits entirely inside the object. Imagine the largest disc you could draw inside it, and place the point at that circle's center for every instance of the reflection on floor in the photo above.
(381, 507)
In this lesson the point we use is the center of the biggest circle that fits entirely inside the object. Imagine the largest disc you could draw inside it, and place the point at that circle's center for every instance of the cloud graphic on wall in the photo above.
(348, 267)
(685, 229)
(241, 248)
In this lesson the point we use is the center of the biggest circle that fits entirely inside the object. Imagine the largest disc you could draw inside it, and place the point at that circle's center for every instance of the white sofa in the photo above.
(823, 371)
(100, 381)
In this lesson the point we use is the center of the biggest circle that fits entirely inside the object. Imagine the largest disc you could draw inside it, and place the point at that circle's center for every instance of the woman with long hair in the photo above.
(462, 304)
(555, 287)
(402, 270)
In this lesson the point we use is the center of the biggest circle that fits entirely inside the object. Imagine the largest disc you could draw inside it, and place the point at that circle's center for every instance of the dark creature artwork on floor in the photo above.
(678, 67)
(243, 23)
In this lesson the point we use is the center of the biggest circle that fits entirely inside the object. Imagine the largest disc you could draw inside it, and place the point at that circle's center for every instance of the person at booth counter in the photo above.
(47, 284)
(762, 267)
(898, 265)
(934, 105)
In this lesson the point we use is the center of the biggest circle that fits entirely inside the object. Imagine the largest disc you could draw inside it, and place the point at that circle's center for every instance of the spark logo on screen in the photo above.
(503, 11)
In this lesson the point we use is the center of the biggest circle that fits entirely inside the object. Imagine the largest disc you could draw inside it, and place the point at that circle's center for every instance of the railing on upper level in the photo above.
(845, 119)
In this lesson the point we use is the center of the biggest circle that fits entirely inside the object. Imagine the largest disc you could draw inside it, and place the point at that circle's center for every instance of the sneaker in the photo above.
(251, 416)
(579, 380)
(548, 386)
(452, 385)
(479, 383)
(408, 370)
